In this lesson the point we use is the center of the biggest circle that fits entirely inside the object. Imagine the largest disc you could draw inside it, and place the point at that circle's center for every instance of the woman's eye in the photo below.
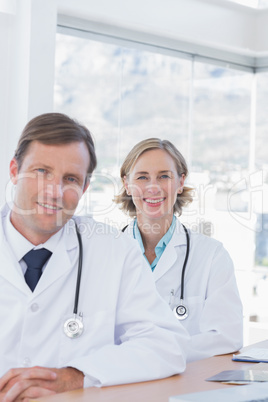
(165, 176)
(141, 178)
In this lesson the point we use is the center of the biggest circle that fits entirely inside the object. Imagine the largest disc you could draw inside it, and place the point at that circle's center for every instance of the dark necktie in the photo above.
(35, 261)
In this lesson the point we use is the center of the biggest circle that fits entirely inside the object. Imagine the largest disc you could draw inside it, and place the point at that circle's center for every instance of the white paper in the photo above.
(240, 393)
(254, 353)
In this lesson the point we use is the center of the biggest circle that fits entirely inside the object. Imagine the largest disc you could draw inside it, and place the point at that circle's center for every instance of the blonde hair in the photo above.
(125, 200)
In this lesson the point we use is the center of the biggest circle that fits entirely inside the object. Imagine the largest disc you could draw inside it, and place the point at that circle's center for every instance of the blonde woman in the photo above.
(192, 272)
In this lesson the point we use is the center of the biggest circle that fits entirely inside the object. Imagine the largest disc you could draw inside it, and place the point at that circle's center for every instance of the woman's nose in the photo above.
(153, 188)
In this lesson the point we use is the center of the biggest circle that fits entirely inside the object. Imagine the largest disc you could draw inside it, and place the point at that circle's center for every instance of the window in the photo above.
(126, 94)
(122, 95)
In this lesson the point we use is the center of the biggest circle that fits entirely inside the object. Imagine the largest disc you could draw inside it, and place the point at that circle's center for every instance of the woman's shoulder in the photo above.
(197, 237)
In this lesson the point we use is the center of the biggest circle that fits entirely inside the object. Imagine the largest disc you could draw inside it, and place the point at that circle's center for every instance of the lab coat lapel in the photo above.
(59, 263)
(169, 256)
(129, 229)
(10, 269)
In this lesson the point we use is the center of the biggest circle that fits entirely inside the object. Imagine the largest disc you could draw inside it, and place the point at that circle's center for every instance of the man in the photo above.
(56, 336)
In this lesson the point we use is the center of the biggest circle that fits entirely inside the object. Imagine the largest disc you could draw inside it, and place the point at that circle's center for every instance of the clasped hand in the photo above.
(22, 384)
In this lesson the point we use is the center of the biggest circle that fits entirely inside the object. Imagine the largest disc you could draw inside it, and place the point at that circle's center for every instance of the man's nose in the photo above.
(54, 188)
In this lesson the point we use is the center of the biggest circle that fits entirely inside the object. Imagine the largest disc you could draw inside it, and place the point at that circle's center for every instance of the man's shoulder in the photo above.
(4, 210)
(104, 240)
(91, 228)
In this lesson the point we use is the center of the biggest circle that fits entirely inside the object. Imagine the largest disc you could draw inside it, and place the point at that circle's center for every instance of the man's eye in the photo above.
(71, 179)
(41, 170)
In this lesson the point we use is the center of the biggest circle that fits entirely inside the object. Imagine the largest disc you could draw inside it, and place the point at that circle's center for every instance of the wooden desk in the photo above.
(192, 380)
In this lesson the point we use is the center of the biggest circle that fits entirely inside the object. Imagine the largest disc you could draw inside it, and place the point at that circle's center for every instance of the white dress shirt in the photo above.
(21, 246)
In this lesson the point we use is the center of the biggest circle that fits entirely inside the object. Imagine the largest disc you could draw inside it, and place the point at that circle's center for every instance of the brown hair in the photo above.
(55, 128)
(125, 200)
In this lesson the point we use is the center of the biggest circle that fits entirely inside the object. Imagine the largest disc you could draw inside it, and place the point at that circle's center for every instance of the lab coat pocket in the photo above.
(195, 305)
(98, 329)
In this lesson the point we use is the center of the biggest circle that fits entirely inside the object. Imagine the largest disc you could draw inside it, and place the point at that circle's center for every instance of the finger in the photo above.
(8, 376)
(36, 392)
(40, 373)
(15, 375)
(18, 388)
(26, 389)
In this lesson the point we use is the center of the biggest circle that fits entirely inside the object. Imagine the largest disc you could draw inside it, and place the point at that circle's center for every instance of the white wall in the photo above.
(262, 33)
(212, 23)
(27, 44)
(5, 24)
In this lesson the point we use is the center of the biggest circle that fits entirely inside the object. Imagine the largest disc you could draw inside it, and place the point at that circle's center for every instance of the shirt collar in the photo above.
(21, 244)
(161, 245)
(167, 236)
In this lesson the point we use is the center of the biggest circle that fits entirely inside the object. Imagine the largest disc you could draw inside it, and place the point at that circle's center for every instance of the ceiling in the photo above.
(258, 4)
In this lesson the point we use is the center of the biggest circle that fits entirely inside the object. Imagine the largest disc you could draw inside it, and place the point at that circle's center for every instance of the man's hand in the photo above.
(34, 382)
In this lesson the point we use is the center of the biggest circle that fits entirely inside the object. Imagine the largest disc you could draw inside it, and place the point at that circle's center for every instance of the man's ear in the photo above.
(13, 170)
(87, 183)
(125, 181)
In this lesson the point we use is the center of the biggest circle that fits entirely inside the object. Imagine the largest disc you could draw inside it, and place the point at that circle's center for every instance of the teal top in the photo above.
(161, 245)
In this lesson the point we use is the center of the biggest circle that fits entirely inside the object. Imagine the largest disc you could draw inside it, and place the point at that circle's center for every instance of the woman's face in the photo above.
(154, 183)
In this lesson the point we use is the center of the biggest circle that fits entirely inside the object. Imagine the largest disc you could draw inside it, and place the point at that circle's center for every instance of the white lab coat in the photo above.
(215, 321)
(129, 333)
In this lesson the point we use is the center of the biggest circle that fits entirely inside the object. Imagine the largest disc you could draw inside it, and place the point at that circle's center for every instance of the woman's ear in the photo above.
(125, 181)
(182, 180)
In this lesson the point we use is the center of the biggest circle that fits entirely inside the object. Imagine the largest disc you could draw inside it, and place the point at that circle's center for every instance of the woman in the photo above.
(154, 193)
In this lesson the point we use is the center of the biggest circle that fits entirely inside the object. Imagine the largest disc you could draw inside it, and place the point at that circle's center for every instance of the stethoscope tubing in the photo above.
(185, 261)
(73, 327)
(79, 272)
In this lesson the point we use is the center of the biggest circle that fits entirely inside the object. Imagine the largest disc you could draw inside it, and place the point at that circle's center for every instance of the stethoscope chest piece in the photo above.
(181, 311)
(73, 327)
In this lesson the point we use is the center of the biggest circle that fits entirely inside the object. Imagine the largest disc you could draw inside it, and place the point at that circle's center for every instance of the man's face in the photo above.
(49, 185)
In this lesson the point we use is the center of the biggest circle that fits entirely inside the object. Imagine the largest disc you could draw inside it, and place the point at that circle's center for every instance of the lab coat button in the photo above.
(26, 362)
(34, 307)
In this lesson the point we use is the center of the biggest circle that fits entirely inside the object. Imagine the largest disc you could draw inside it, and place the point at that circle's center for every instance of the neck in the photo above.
(153, 230)
(31, 235)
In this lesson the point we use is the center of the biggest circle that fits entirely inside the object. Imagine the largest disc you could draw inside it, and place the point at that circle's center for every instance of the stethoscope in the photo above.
(73, 327)
(180, 311)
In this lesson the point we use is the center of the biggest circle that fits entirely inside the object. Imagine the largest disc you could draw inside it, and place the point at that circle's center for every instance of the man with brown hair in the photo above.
(64, 327)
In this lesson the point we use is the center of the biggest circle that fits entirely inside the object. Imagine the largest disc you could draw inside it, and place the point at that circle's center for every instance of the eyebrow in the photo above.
(161, 171)
(37, 165)
(141, 172)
